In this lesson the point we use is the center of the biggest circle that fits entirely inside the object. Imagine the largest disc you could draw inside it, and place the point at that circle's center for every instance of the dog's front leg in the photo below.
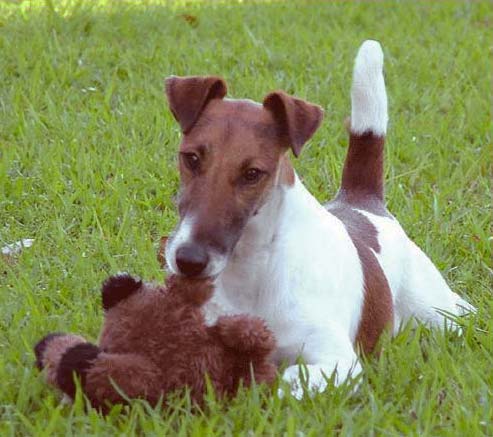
(325, 352)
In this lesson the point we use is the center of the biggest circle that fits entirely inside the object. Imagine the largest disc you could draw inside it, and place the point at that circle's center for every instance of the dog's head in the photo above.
(232, 155)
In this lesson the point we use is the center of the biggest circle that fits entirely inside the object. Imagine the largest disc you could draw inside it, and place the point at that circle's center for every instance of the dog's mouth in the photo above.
(186, 257)
(202, 248)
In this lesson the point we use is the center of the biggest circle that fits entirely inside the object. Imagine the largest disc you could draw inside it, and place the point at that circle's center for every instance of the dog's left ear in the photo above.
(189, 95)
(298, 119)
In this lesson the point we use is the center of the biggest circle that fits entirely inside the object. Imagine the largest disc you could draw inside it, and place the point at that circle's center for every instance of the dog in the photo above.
(328, 279)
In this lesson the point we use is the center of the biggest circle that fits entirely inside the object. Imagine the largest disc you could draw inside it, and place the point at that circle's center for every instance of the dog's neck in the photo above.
(261, 230)
(254, 264)
(251, 260)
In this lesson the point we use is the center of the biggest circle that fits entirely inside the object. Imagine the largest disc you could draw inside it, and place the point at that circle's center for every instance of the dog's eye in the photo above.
(191, 160)
(252, 175)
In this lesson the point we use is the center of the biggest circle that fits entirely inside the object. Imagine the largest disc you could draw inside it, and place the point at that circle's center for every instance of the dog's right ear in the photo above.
(189, 95)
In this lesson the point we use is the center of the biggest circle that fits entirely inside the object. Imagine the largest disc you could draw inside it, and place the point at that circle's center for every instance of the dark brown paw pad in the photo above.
(118, 287)
(78, 360)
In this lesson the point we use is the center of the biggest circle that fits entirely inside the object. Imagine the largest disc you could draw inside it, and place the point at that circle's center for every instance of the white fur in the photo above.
(217, 263)
(250, 101)
(418, 289)
(182, 234)
(368, 95)
(296, 267)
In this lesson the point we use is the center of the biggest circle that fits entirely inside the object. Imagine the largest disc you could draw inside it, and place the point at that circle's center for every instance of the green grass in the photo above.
(87, 168)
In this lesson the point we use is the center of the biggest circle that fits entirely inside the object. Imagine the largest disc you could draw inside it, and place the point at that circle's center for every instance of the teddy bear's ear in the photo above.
(193, 291)
(118, 287)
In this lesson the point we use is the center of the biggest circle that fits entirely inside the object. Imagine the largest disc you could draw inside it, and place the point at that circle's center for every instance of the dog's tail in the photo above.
(362, 177)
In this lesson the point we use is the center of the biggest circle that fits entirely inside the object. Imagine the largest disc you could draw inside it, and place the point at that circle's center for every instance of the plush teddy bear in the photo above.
(155, 341)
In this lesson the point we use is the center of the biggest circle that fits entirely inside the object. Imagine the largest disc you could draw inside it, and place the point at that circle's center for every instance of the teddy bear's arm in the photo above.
(245, 334)
(252, 343)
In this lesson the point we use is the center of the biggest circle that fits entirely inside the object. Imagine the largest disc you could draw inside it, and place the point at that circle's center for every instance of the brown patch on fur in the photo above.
(155, 342)
(362, 187)
(362, 177)
(54, 351)
(378, 308)
(377, 312)
(287, 175)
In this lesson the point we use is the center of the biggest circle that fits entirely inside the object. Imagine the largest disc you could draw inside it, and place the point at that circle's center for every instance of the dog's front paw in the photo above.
(245, 334)
(313, 378)
(308, 379)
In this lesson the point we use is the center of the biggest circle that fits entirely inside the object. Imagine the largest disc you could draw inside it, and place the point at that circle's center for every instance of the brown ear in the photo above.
(188, 96)
(297, 118)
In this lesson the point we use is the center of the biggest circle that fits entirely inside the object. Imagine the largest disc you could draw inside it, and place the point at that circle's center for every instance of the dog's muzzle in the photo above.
(191, 259)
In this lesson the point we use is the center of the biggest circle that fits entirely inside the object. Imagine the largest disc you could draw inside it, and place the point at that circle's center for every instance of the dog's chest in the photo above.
(299, 278)
(282, 316)
(241, 288)
(275, 284)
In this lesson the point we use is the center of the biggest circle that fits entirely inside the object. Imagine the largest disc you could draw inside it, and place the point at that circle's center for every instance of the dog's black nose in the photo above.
(191, 259)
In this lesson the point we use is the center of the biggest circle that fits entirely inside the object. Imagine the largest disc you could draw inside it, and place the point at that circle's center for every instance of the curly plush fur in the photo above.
(154, 341)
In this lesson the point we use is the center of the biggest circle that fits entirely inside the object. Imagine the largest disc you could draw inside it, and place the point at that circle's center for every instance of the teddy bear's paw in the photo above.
(246, 334)
(78, 360)
(40, 348)
(118, 287)
(50, 350)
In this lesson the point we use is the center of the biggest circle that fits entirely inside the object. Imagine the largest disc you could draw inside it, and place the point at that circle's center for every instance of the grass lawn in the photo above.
(87, 169)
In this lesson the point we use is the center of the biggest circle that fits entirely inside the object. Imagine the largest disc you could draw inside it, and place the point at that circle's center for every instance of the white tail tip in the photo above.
(368, 95)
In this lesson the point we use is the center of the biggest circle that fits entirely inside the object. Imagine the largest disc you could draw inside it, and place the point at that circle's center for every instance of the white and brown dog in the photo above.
(325, 277)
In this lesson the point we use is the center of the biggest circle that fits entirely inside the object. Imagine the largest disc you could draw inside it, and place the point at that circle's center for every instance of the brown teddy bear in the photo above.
(154, 341)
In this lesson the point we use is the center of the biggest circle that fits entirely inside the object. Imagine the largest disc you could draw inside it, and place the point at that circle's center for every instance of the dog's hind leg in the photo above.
(424, 294)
